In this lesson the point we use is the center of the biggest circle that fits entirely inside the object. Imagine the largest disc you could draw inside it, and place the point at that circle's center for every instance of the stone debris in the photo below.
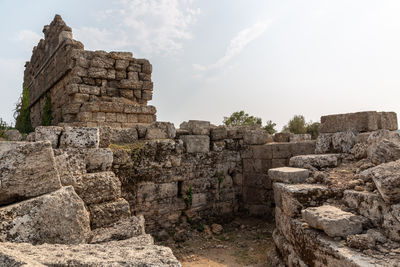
(288, 175)
(333, 221)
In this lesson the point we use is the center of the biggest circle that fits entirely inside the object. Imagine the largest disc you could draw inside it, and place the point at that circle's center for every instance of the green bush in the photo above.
(3, 128)
(22, 113)
(46, 115)
(298, 125)
(241, 118)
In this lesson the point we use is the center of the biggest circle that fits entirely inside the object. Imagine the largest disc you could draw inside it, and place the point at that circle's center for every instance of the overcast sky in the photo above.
(273, 59)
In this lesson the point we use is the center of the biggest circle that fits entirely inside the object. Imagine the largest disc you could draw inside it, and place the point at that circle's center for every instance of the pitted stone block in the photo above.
(318, 161)
(288, 175)
(196, 143)
(80, 137)
(48, 133)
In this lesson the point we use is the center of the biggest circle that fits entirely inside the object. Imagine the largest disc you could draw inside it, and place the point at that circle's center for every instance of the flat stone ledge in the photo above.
(288, 175)
(317, 161)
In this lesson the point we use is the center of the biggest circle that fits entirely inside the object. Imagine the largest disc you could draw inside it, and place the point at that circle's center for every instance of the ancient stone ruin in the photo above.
(83, 191)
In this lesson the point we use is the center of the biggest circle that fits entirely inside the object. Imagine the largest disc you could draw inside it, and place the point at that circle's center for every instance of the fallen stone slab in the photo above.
(134, 252)
(58, 217)
(387, 180)
(26, 170)
(288, 175)
(196, 143)
(317, 161)
(333, 221)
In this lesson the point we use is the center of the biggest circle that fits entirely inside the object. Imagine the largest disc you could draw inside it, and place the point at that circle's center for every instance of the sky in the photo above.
(272, 58)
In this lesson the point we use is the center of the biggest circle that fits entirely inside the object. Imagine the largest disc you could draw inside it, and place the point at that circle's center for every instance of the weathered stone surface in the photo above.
(108, 213)
(386, 150)
(288, 175)
(219, 133)
(362, 241)
(48, 133)
(123, 135)
(58, 217)
(387, 120)
(136, 252)
(14, 135)
(196, 127)
(196, 143)
(318, 161)
(324, 143)
(257, 137)
(26, 170)
(333, 221)
(292, 198)
(282, 137)
(160, 130)
(343, 142)
(80, 137)
(121, 230)
(299, 137)
(98, 159)
(387, 180)
(360, 122)
(98, 187)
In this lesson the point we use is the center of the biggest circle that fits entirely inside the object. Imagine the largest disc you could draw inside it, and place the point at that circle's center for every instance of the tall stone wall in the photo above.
(86, 88)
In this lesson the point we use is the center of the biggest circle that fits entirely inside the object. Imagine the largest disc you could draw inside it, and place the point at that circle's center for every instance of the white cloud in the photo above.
(152, 26)
(28, 38)
(237, 44)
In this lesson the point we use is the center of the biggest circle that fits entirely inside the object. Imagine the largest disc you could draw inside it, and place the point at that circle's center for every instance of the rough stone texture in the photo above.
(257, 137)
(14, 135)
(196, 143)
(318, 161)
(299, 137)
(123, 135)
(48, 133)
(58, 217)
(343, 142)
(219, 133)
(160, 130)
(108, 213)
(288, 175)
(282, 137)
(135, 252)
(80, 137)
(196, 127)
(387, 180)
(26, 170)
(98, 159)
(324, 143)
(386, 150)
(86, 88)
(359, 122)
(333, 221)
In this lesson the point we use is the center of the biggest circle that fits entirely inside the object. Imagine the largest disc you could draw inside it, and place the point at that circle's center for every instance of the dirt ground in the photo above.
(243, 242)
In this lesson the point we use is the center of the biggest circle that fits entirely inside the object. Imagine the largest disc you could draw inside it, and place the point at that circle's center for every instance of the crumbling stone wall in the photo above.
(86, 88)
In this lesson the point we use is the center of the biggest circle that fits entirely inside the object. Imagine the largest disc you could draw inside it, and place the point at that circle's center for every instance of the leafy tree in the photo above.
(296, 125)
(22, 113)
(241, 118)
(313, 129)
(270, 127)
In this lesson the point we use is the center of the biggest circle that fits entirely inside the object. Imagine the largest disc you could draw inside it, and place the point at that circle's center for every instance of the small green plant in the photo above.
(188, 197)
(22, 113)
(46, 115)
(3, 128)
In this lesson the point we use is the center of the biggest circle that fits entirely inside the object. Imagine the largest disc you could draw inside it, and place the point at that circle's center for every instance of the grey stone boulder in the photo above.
(49, 133)
(107, 213)
(288, 175)
(58, 217)
(317, 161)
(14, 135)
(343, 142)
(160, 130)
(80, 137)
(333, 221)
(26, 170)
(324, 143)
(387, 180)
(196, 143)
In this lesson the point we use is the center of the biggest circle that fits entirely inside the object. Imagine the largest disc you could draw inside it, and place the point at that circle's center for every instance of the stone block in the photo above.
(343, 142)
(14, 135)
(160, 130)
(288, 175)
(302, 148)
(48, 133)
(105, 214)
(324, 143)
(281, 150)
(99, 159)
(97, 73)
(80, 137)
(196, 127)
(387, 180)
(299, 137)
(26, 170)
(123, 135)
(98, 187)
(333, 221)
(387, 120)
(261, 151)
(59, 217)
(282, 137)
(292, 198)
(219, 133)
(318, 161)
(257, 137)
(196, 143)
(130, 84)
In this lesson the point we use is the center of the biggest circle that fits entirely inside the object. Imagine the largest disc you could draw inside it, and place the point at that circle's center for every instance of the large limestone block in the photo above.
(257, 137)
(292, 198)
(196, 127)
(196, 143)
(386, 150)
(387, 180)
(343, 142)
(299, 137)
(108, 213)
(219, 133)
(48, 133)
(98, 187)
(26, 170)
(324, 143)
(58, 217)
(123, 135)
(288, 175)
(359, 122)
(80, 137)
(318, 161)
(160, 130)
(98, 159)
(333, 221)
(387, 120)
(137, 251)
